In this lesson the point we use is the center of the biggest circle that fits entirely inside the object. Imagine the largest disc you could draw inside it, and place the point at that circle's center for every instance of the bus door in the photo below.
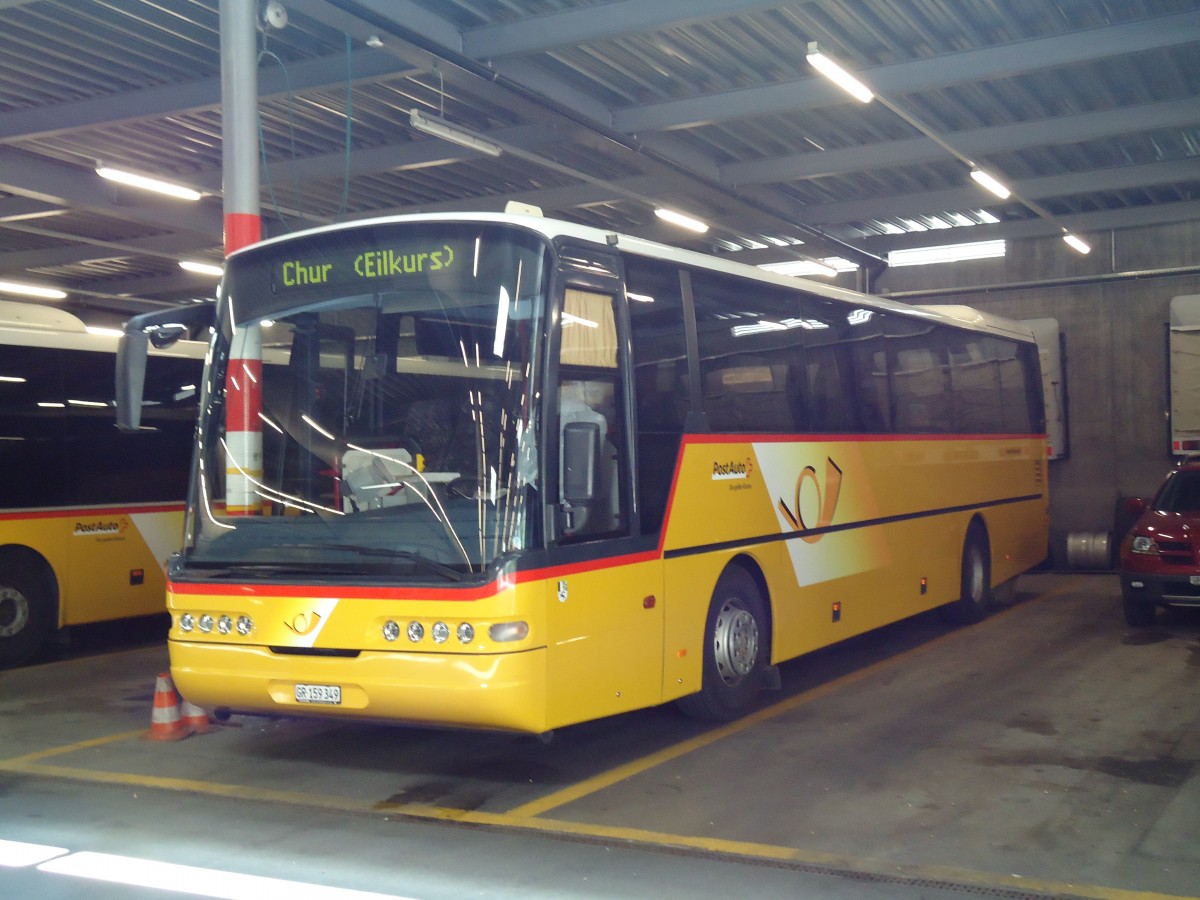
(605, 614)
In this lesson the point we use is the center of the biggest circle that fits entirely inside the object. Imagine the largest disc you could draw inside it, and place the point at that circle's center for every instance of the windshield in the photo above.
(1180, 493)
(368, 409)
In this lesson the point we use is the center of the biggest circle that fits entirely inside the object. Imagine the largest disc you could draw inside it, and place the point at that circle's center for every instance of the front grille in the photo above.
(313, 651)
(1176, 553)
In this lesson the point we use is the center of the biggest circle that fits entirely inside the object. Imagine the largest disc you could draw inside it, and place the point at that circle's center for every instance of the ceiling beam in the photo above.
(167, 246)
(969, 66)
(970, 197)
(58, 183)
(598, 22)
(194, 96)
(984, 141)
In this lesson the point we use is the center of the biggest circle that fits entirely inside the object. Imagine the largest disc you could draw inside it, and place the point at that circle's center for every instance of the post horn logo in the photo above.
(827, 500)
(304, 623)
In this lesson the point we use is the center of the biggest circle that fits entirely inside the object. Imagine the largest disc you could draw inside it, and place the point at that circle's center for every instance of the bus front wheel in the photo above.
(735, 648)
(26, 612)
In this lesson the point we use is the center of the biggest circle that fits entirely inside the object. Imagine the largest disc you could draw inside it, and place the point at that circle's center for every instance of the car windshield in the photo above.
(369, 405)
(1180, 493)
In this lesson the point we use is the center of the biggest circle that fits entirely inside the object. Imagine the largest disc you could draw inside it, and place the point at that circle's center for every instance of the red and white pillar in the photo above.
(243, 226)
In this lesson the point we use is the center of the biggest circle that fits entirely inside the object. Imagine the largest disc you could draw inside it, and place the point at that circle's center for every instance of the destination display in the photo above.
(343, 266)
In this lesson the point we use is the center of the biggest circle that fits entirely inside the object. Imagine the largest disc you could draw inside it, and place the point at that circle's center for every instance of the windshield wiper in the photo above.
(328, 568)
(431, 565)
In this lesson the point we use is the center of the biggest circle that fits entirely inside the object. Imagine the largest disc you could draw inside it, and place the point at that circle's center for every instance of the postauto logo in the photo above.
(729, 471)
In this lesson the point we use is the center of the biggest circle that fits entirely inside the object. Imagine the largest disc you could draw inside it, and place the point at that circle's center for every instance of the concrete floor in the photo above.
(1048, 751)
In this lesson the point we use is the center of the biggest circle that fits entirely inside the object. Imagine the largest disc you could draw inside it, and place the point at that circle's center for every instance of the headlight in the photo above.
(187, 622)
(1143, 544)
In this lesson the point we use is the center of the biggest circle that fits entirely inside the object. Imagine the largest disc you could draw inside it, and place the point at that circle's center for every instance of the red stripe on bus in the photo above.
(848, 438)
(90, 512)
(344, 592)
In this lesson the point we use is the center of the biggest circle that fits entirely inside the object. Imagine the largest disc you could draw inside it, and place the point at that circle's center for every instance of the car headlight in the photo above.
(1143, 544)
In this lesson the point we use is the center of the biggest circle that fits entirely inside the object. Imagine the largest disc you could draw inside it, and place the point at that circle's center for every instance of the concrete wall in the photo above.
(1115, 327)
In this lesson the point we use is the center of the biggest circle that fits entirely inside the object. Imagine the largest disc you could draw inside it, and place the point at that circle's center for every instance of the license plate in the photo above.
(330, 694)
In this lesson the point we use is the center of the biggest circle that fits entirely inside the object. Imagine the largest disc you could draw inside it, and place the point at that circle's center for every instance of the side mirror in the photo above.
(1135, 506)
(162, 329)
(580, 456)
(132, 351)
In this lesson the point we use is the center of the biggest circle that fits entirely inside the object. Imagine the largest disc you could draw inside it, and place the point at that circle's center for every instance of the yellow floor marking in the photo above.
(210, 788)
(527, 816)
(636, 767)
(831, 863)
(71, 748)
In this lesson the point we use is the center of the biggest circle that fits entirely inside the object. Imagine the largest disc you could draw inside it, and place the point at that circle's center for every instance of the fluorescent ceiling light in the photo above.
(201, 268)
(148, 184)
(110, 332)
(32, 290)
(990, 183)
(440, 128)
(837, 74)
(678, 218)
(800, 267)
(921, 256)
(1076, 244)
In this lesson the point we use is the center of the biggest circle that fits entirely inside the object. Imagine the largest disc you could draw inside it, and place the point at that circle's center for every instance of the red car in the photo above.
(1160, 556)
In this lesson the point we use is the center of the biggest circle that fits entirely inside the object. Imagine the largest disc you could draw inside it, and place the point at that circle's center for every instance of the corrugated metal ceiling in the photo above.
(1088, 107)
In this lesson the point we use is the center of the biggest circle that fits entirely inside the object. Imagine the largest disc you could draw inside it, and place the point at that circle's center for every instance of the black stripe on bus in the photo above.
(846, 526)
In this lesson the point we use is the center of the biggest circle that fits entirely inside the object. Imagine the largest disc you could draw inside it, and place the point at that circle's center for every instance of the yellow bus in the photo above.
(88, 515)
(506, 472)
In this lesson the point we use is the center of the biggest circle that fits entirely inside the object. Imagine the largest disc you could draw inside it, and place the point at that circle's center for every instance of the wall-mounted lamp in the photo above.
(440, 128)
(678, 218)
(146, 183)
(1076, 244)
(837, 74)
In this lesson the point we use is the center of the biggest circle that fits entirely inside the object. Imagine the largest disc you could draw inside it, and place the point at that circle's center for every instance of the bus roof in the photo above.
(34, 316)
(552, 229)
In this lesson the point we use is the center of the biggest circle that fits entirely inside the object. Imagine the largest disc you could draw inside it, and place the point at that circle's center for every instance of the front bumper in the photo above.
(1155, 589)
(492, 691)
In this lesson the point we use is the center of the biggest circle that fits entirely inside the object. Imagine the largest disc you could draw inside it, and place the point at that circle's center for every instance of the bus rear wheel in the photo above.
(735, 647)
(26, 613)
(972, 603)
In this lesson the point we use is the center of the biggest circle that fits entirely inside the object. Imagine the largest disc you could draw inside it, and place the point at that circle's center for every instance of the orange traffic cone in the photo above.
(165, 724)
(195, 719)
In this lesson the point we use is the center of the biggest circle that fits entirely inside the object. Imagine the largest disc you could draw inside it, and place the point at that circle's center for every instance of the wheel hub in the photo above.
(14, 612)
(735, 642)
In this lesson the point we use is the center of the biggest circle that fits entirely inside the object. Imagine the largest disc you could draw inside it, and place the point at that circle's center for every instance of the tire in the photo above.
(975, 581)
(27, 612)
(1138, 615)
(735, 650)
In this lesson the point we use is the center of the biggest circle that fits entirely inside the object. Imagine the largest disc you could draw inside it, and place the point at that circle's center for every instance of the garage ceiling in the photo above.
(1088, 108)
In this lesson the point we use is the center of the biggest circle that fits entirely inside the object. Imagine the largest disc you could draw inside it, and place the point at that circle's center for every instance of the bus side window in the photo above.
(589, 394)
(660, 381)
